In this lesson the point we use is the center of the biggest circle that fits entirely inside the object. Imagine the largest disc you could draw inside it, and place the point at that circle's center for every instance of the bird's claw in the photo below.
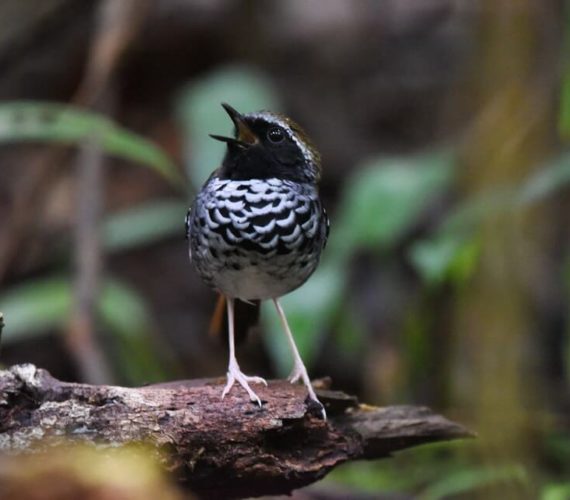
(322, 407)
(236, 375)
(299, 372)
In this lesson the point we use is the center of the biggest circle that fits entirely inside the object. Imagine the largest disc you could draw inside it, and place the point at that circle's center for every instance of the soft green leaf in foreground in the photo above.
(200, 113)
(64, 124)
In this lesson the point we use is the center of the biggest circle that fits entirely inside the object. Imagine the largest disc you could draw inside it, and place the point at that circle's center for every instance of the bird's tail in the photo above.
(246, 316)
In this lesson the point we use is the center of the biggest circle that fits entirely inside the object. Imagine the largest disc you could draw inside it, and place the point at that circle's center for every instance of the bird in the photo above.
(257, 227)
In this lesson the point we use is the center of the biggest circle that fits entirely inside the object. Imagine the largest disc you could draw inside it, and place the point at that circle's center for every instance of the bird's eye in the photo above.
(275, 135)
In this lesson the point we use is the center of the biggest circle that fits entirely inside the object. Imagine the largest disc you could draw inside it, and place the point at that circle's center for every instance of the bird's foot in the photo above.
(299, 372)
(313, 397)
(236, 375)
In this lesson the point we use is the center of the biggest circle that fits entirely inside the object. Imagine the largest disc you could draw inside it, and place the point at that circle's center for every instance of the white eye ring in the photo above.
(275, 135)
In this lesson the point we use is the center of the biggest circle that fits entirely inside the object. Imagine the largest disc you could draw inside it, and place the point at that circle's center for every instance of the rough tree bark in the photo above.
(229, 448)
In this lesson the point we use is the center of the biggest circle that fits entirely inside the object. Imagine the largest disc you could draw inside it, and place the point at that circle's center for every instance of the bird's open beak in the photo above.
(245, 136)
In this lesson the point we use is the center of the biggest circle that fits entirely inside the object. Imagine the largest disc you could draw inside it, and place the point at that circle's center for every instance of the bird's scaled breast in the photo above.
(256, 239)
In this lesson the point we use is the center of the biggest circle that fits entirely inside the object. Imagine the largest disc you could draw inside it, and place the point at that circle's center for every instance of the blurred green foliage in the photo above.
(472, 478)
(125, 313)
(58, 123)
(385, 198)
(144, 224)
(560, 491)
(35, 307)
(451, 253)
(443, 471)
(43, 305)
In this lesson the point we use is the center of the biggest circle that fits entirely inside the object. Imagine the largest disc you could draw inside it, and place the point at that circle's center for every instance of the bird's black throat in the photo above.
(256, 162)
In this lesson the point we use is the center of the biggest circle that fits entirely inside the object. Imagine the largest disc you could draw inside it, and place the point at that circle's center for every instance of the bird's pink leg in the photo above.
(234, 372)
(299, 370)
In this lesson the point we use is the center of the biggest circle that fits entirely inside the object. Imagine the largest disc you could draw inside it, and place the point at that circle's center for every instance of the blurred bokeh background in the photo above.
(444, 129)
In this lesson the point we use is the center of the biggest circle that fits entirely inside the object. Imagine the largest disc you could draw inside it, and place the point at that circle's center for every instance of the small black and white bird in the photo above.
(257, 227)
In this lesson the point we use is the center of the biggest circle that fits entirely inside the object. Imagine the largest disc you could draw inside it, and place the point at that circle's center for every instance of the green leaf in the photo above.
(369, 477)
(452, 252)
(407, 471)
(64, 124)
(144, 224)
(473, 478)
(35, 307)
(432, 258)
(449, 256)
(385, 198)
(559, 491)
(124, 312)
(200, 113)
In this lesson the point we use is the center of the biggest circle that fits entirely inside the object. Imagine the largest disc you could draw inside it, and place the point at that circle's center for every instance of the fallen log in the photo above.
(230, 448)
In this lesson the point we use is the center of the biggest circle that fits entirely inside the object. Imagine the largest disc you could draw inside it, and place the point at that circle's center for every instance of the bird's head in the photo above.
(266, 145)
